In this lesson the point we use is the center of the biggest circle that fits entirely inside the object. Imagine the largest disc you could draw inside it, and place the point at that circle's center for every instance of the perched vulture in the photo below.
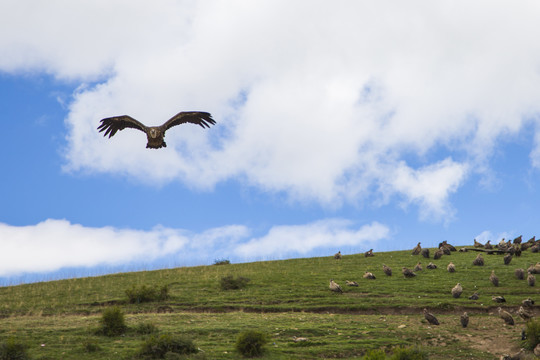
(493, 278)
(524, 314)
(417, 249)
(438, 254)
(518, 239)
(520, 274)
(479, 260)
(505, 315)
(368, 275)
(335, 287)
(488, 245)
(457, 290)
(351, 283)
(387, 270)
(425, 253)
(534, 269)
(446, 245)
(418, 267)
(408, 273)
(531, 280)
(474, 296)
(451, 267)
(369, 253)
(528, 302)
(337, 255)
(430, 318)
(431, 266)
(477, 244)
(445, 250)
(498, 299)
(464, 319)
(154, 134)
(507, 258)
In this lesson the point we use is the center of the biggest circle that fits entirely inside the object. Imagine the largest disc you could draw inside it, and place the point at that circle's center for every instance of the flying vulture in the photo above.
(155, 134)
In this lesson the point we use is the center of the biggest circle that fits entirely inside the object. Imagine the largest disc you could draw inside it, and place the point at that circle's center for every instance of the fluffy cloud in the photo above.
(326, 102)
(56, 244)
(282, 240)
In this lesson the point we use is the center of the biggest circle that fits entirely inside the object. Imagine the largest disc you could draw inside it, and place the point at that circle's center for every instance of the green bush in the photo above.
(532, 333)
(375, 355)
(161, 347)
(146, 329)
(409, 353)
(91, 346)
(230, 283)
(143, 293)
(221, 262)
(11, 349)
(251, 343)
(112, 322)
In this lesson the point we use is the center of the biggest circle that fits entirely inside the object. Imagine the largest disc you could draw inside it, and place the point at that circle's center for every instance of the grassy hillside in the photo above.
(282, 299)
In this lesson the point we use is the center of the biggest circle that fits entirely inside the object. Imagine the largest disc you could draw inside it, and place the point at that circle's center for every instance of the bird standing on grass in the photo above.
(520, 274)
(505, 315)
(531, 280)
(430, 317)
(387, 270)
(417, 249)
(335, 286)
(464, 319)
(408, 273)
(524, 314)
(457, 290)
(451, 267)
(493, 278)
(479, 260)
(368, 275)
(155, 134)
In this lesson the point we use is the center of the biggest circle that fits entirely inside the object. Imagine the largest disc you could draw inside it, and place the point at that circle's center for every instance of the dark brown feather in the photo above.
(203, 119)
(112, 124)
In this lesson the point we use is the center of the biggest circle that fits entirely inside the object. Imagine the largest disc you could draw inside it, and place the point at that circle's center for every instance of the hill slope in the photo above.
(283, 299)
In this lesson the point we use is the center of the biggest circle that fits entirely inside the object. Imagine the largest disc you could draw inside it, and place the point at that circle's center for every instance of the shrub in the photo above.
(145, 293)
(161, 347)
(532, 333)
(112, 322)
(375, 355)
(230, 283)
(221, 262)
(91, 346)
(11, 349)
(146, 329)
(250, 343)
(409, 353)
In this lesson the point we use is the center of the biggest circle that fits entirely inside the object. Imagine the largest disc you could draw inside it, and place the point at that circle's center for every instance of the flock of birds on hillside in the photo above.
(509, 248)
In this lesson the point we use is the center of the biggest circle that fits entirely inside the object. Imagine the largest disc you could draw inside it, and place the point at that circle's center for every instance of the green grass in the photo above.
(283, 299)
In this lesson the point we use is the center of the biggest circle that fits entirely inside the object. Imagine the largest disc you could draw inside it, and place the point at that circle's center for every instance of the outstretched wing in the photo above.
(203, 119)
(113, 124)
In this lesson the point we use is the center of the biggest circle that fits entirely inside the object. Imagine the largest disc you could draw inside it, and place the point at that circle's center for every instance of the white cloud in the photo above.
(53, 245)
(326, 102)
(331, 233)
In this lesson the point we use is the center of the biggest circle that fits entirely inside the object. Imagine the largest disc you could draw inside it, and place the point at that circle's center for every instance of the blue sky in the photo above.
(339, 127)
